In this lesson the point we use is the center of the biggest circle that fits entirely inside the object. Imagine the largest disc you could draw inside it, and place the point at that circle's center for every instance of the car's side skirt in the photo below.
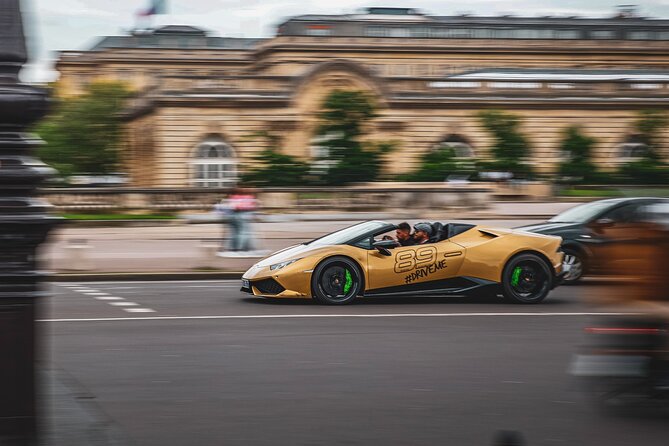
(456, 285)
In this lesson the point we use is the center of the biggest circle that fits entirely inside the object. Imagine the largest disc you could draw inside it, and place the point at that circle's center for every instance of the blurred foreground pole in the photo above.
(23, 226)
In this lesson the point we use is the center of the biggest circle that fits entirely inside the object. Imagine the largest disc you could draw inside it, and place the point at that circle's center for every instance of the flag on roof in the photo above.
(157, 7)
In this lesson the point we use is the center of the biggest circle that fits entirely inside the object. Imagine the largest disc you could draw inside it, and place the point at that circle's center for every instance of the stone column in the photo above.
(24, 224)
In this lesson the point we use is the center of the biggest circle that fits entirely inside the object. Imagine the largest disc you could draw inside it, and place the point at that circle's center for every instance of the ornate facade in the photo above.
(200, 97)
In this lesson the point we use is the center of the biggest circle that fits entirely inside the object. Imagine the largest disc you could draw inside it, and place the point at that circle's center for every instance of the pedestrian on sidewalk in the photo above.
(225, 211)
(241, 207)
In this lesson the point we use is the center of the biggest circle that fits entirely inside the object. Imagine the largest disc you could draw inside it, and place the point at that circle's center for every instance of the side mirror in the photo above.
(384, 245)
(604, 222)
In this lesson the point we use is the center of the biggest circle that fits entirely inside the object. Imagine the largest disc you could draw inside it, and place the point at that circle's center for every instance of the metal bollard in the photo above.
(24, 224)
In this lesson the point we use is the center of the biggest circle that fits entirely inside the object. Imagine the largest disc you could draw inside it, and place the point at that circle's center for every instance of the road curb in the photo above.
(281, 219)
(148, 276)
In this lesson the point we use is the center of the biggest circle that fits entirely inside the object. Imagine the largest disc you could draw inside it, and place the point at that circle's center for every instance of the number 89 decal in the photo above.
(408, 260)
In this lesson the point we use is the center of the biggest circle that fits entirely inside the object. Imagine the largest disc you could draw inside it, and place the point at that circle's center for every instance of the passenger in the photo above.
(404, 236)
(422, 233)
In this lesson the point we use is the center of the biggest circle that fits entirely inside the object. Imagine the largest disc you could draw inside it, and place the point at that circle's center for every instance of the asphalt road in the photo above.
(199, 363)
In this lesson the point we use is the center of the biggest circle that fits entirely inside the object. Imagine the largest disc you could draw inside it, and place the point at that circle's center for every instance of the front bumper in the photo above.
(561, 270)
(289, 283)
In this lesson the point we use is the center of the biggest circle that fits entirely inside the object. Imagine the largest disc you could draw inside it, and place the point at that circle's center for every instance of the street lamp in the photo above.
(24, 224)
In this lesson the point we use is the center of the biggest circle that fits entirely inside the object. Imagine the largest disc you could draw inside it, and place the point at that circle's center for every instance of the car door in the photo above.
(613, 232)
(412, 266)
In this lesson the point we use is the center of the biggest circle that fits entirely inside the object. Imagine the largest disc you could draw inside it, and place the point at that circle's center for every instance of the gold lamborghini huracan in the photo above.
(458, 259)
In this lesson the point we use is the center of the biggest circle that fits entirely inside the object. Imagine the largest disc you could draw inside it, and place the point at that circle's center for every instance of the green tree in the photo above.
(510, 146)
(83, 133)
(648, 125)
(438, 164)
(577, 146)
(650, 169)
(275, 168)
(344, 115)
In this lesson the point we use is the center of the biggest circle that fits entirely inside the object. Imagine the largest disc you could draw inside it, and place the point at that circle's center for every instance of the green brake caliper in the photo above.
(515, 277)
(348, 283)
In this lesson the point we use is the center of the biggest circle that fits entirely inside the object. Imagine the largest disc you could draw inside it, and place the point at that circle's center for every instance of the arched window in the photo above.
(320, 153)
(214, 164)
(633, 148)
(459, 144)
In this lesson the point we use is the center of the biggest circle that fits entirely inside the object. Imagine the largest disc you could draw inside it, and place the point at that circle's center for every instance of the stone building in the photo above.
(200, 97)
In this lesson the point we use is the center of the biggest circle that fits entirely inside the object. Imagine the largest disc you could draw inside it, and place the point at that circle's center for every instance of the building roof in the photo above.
(180, 30)
(175, 36)
(467, 19)
(548, 74)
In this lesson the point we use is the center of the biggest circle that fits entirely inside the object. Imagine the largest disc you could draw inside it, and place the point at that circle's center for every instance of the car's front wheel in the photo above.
(526, 279)
(576, 262)
(336, 281)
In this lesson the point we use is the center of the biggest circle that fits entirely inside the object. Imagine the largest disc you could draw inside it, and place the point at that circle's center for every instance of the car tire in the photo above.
(578, 264)
(526, 279)
(336, 281)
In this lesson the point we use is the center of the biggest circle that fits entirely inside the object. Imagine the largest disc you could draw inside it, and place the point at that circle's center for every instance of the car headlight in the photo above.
(282, 264)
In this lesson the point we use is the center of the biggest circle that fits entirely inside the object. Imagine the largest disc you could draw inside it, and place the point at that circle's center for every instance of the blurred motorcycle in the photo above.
(625, 361)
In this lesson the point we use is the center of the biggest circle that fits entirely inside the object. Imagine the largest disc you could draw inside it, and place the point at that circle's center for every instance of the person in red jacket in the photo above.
(240, 208)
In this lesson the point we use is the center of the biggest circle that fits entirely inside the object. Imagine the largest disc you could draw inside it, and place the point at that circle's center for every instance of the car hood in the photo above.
(292, 252)
(549, 227)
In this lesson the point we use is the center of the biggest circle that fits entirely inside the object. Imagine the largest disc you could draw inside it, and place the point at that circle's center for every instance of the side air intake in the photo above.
(268, 286)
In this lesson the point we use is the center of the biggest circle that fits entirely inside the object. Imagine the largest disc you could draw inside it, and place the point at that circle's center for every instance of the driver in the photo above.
(422, 233)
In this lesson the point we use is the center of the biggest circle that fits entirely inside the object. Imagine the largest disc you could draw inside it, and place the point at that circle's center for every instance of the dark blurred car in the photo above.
(590, 231)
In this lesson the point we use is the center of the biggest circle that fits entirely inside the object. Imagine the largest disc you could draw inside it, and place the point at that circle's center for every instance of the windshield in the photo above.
(351, 233)
(582, 213)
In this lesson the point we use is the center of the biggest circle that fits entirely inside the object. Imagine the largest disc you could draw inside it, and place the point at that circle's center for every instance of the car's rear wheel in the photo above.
(576, 262)
(336, 281)
(526, 279)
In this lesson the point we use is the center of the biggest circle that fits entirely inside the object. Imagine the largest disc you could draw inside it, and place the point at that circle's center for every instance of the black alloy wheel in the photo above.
(336, 281)
(526, 279)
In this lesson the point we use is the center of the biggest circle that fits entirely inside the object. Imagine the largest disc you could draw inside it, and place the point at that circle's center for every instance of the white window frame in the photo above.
(626, 151)
(224, 172)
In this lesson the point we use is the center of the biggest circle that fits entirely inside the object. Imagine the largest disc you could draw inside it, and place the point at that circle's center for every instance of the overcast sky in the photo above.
(53, 25)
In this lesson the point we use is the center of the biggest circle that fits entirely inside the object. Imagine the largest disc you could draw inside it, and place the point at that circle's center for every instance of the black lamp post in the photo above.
(24, 224)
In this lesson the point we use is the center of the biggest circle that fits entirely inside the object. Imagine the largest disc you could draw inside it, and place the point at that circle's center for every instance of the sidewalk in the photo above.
(70, 415)
(182, 250)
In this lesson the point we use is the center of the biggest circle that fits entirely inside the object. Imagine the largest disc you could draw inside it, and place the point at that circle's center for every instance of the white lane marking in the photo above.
(315, 316)
(99, 295)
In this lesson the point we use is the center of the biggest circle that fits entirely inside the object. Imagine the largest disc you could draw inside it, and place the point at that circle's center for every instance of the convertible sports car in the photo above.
(458, 259)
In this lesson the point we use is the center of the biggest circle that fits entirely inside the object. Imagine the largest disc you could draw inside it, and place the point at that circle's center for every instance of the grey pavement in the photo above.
(70, 414)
